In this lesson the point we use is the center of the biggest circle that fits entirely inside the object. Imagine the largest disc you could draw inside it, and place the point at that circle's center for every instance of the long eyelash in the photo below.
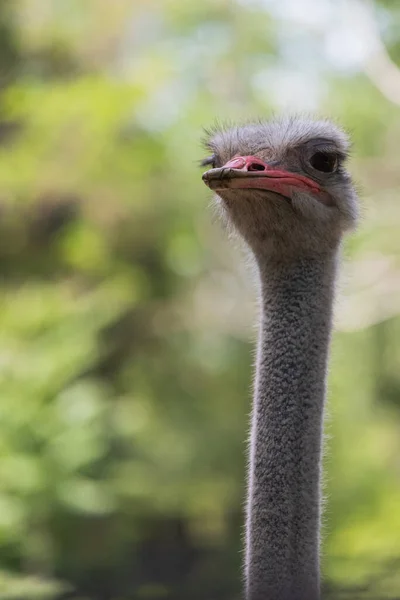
(327, 149)
(210, 160)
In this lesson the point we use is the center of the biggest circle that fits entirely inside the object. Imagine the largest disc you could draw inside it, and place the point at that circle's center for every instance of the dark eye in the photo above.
(326, 162)
(210, 161)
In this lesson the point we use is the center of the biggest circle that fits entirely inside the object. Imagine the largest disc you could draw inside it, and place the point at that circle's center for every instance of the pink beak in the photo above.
(250, 172)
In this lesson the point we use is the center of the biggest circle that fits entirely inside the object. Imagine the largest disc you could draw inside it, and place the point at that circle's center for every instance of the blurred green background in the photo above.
(127, 317)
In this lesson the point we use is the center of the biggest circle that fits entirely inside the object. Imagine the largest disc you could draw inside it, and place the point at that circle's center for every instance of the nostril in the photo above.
(256, 167)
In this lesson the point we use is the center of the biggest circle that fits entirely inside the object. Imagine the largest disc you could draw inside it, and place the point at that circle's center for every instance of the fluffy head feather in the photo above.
(300, 224)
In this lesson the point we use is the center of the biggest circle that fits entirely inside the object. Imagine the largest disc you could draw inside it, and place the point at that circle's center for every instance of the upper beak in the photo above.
(250, 172)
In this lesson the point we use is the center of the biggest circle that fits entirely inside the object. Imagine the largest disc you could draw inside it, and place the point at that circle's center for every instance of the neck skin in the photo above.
(283, 511)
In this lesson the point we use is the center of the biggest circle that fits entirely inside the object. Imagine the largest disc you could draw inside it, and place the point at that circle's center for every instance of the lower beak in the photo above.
(250, 172)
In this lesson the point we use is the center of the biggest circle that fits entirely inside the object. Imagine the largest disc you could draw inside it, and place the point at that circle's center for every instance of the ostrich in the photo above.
(283, 187)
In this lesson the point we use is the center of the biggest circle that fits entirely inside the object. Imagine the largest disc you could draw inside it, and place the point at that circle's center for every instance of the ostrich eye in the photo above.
(324, 162)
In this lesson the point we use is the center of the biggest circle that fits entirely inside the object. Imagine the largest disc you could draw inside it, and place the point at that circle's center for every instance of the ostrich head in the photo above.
(283, 185)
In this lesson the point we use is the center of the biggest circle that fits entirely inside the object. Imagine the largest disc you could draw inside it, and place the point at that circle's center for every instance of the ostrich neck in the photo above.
(282, 553)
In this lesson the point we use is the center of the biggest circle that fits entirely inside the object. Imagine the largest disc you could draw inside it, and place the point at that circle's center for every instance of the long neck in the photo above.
(283, 513)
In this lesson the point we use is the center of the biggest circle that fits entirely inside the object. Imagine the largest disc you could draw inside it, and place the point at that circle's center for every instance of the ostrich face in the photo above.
(283, 184)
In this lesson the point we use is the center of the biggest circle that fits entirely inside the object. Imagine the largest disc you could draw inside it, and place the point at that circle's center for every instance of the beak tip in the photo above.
(206, 178)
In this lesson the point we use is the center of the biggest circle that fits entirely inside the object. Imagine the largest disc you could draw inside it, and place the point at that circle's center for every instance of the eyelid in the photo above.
(328, 150)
